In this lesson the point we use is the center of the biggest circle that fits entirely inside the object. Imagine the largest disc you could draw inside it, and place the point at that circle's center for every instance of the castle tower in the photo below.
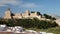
(27, 12)
(7, 14)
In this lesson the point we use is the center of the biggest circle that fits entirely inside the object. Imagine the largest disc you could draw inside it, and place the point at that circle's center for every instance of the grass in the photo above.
(55, 30)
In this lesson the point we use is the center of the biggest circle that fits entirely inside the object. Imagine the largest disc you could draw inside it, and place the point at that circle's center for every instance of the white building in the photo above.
(3, 27)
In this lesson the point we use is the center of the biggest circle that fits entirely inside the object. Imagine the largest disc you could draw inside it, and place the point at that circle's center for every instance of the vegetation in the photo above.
(34, 24)
(30, 23)
(49, 17)
(55, 30)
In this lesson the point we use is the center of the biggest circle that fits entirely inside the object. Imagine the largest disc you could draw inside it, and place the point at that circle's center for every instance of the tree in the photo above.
(30, 23)
(49, 17)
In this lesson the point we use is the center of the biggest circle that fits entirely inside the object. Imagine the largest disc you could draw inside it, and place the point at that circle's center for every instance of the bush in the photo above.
(30, 23)
(49, 17)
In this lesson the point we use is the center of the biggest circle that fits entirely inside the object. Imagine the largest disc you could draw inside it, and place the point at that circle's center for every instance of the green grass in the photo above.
(55, 30)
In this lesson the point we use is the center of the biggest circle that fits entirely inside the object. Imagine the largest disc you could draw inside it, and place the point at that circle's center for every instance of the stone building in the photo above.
(7, 14)
(26, 14)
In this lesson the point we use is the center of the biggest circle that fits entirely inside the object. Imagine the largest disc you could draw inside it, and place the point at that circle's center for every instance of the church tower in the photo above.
(7, 14)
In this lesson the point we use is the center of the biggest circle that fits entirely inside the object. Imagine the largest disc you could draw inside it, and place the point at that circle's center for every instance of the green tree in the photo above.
(49, 17)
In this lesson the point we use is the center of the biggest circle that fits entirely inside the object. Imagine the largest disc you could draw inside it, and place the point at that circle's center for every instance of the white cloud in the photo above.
(21, 3)
(29, 5)
(12, 2)
(3, 5)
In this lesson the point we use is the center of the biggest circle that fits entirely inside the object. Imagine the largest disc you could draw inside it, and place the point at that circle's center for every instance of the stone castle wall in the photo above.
(27, 14)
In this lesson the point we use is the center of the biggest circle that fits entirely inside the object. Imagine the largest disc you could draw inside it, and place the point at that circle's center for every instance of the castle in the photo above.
(26, 14)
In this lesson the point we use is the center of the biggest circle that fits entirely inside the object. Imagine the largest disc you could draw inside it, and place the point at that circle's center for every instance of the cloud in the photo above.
(11, 2)
(29, 5)
(21, 3)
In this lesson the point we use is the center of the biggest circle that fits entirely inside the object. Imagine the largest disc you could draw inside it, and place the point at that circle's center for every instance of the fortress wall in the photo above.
(27, 14)
(17, 16)
(35, 15)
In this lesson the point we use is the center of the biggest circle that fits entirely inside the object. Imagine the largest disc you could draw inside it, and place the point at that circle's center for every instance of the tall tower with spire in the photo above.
(7, 14)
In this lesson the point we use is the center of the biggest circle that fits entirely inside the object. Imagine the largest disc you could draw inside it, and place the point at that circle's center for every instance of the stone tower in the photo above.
(27, 12)
(7, 14)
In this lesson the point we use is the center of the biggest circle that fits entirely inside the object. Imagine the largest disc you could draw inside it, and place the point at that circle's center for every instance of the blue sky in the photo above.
(19, 6)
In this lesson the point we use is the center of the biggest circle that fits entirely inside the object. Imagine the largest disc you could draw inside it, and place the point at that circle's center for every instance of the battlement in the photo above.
(26, 14)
